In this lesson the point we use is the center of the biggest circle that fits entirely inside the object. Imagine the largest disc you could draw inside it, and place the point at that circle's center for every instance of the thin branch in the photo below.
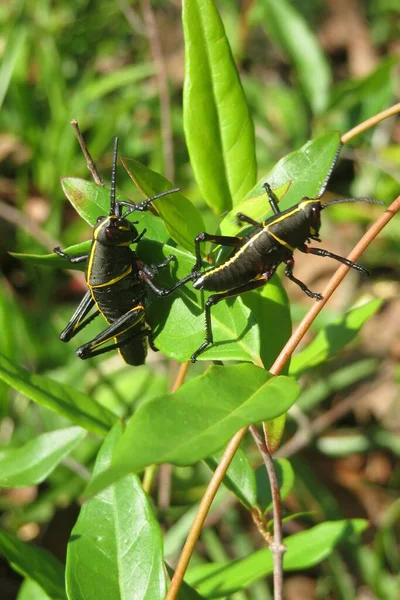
(89, 160)
(76, 467)
(385, 114)
(180, 378)
(162, 82)
(277, 546)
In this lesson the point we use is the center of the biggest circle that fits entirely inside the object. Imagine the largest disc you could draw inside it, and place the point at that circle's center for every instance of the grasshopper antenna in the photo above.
(114, 178)
(144, 205)
(344, 200)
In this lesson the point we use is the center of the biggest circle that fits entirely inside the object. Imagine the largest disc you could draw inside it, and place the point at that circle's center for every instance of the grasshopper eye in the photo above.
(99, 219)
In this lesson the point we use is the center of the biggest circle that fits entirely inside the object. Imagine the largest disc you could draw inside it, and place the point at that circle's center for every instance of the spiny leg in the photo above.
(69, 258)
(272, 198)
(341, 259)
(165, 262)
(148, 279)
(222, 240)
(135, 337)
(76, 323)
(245, 219)
(216, 298)
(289, 274)
(119, 326)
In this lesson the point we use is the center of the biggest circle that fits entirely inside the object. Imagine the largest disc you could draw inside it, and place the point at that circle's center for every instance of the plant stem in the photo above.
(89, 160)
(277, 546)
(385, 114)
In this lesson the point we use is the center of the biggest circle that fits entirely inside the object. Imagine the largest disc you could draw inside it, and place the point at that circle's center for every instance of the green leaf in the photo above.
(186, 592)
(274, 430)
(285, 475)
(304, 550)
(290, 30)
(108, 82)
(333, 337)
(239, 478)
(89, 199)
(218, 127)
(55, 261)
(32, 463)
(182, 220)
(30, 590)
(306, 169)
(270, 308)
(255, 206)
(198, 419)
(36, 563)
(58, 397)
(10, 55)
(115, 548)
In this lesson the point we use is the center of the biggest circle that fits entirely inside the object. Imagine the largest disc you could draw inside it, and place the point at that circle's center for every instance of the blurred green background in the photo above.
(117, 67)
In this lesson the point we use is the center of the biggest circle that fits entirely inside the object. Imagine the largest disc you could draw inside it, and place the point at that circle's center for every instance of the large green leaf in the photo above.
(36, 563)
(304, 550)
(115, 549)
(305, 169)
(182, 220)
(333, 337)
(218, 127)
(32, 463)
(290, 30)
(58, 397)
(198, 419)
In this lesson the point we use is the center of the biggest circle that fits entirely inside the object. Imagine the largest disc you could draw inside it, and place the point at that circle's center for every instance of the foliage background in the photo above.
(92, 61)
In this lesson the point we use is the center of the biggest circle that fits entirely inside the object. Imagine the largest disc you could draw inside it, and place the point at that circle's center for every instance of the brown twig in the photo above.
(162, 82)
(89, 160)
(385, 114)
(276, 545)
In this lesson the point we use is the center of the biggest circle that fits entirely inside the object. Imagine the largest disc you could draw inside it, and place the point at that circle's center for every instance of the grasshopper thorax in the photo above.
(115, 231)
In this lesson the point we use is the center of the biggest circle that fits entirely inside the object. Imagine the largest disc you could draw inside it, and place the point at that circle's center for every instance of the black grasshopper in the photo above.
(257, 255)
(117, 282)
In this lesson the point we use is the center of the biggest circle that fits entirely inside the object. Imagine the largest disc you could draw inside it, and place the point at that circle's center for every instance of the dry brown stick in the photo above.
(277, 546)
(385, 114)
(162, 82)
(89, 160)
